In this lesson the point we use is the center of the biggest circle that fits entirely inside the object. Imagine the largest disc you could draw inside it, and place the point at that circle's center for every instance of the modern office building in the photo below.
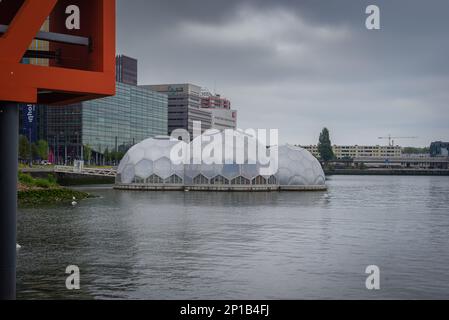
(351, 152)
(109, 124)
(184, 106)
(214, 101)
(439, 149)
(223, 117)
(126, 70)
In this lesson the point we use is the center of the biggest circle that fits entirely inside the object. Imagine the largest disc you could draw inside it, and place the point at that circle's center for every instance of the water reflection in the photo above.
(188, 245)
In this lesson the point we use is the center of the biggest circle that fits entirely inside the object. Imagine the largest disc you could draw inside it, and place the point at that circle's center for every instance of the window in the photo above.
(219, 180)
(154, 179)
(138, 180)
(200, 180)
(272, 180)
(241, 181)
(174, 179)
(259, 180)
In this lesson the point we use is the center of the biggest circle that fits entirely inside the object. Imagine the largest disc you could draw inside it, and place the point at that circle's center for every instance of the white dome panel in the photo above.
(144, 169)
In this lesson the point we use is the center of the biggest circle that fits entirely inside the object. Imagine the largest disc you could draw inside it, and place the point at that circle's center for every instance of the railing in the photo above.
(99, 172)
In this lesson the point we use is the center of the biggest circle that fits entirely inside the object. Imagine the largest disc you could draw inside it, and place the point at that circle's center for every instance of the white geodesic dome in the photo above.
(243, 172)
(298, 167)
(149, 162)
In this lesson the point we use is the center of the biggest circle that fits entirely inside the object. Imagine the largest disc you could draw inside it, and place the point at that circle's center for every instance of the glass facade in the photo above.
(132, 115)
(113, 123)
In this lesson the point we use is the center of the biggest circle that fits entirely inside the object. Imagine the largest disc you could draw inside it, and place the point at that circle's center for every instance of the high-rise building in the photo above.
(109, 124)
(223, 117)
(184, 107)
(126, 70)
(214, 101)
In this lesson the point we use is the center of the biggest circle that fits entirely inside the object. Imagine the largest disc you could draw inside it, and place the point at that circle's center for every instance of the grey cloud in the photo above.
(302, 65)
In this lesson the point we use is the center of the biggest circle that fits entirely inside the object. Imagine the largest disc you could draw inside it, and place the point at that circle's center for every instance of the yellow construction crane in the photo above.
(392, 139)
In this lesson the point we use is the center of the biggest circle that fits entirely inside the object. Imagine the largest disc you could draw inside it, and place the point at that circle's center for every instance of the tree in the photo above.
(87, 153)
(325, 146)
(24, 148)
(42, 149)
(107, 155)
(412, 150)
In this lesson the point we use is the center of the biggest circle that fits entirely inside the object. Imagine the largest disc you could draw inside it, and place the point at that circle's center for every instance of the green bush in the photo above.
(52, 179)
(42, 183)
(29, 181)
(25, 179)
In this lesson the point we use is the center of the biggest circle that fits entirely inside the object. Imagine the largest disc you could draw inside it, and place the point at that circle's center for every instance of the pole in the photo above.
(9, 137)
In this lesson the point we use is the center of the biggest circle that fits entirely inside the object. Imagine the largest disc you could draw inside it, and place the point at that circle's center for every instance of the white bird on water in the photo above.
(74, 203)
(18, 246)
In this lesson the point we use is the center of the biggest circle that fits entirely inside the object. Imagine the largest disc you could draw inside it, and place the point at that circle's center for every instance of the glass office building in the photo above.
(109, 124)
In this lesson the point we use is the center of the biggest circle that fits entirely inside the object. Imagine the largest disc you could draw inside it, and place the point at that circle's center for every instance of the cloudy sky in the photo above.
(300, 65)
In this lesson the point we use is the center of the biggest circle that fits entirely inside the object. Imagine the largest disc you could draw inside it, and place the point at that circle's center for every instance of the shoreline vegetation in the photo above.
(44, 191)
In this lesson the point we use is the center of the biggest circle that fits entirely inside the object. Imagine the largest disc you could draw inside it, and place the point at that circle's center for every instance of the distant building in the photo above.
(126, 70)
(351, 152)
(439, 149)
(39, 45)
(112, 123)
(214, 101)
(223, 117)
(184, 106)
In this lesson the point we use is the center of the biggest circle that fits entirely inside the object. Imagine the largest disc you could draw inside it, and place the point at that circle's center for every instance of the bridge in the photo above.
(86, 171)
(95, 172)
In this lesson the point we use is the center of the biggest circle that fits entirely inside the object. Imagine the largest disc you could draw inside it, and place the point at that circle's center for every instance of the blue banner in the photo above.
(29, 121)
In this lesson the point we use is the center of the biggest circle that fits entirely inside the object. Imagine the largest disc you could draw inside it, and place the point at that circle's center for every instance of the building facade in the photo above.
(214, 101)
(109, 124)
(39, 45)
(439, 149)
(351, 152)
(223, 117)
(184, 107)
(126, 70)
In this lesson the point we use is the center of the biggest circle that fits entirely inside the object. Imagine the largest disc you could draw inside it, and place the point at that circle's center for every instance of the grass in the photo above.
(30, 182)
(39, 191)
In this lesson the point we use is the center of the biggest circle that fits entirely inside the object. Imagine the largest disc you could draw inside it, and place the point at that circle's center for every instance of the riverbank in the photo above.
(388, 172)
(44, 191)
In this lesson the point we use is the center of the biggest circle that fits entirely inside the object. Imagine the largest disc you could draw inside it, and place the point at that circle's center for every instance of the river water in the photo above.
(176, 245)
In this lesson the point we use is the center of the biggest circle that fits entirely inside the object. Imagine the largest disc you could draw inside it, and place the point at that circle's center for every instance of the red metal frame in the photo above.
(83, 73)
